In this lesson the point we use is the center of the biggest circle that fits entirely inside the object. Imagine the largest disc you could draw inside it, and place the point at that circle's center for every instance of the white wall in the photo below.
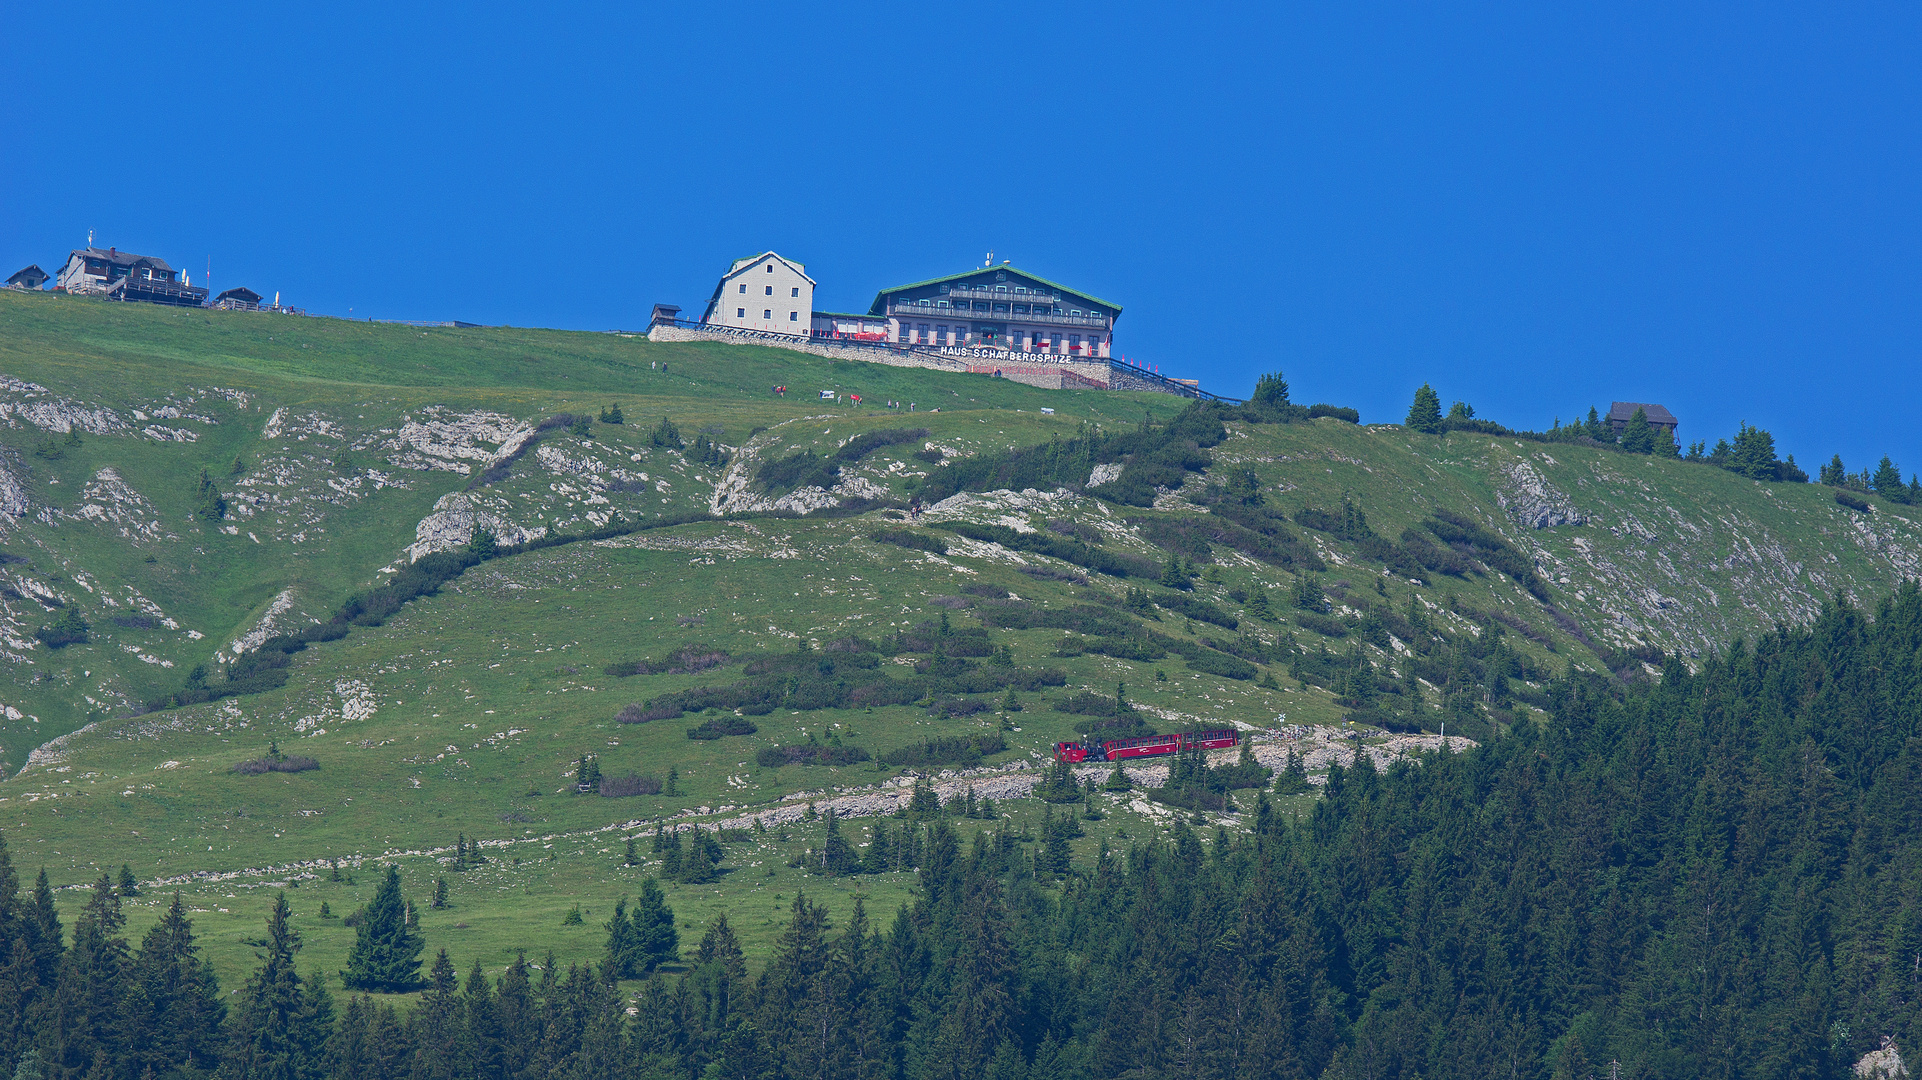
(767, 295)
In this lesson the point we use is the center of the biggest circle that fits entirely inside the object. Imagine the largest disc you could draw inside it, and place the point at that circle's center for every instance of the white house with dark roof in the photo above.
(763, 292)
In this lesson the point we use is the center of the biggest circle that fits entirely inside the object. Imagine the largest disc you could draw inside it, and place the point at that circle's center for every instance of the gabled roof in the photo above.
(31, 276)
(880, 298)
(1625, 411)
(740, 266)
(240, 292)
(120, 258)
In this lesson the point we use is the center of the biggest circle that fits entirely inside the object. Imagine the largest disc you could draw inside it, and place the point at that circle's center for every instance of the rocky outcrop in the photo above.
(453, 521)
(1882, 1064)
(1526, 496)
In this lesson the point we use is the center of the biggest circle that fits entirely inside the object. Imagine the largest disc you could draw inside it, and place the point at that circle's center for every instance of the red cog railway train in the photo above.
(1147, 746)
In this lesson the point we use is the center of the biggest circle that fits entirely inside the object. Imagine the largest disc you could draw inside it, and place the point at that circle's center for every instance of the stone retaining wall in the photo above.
(891, 357)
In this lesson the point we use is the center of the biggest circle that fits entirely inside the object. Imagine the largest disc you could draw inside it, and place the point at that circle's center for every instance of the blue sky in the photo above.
(1534, 207)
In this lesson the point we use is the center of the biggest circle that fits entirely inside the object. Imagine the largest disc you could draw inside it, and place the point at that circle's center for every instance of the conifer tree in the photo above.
(386, 956)
(278, 1031)
(1425, 414)
(1637, 436)
(719, 945)
(837, 858)
(440, 893)
(1271, 390)
(43, 932)
(672, 856)
(1887, 481)
(181, 1010)
(626, 959)
(127, 885)
(654, 925)
(1118, 780)
(633, 857)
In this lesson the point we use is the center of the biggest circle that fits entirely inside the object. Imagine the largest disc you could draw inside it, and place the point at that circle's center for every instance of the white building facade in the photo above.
(764, 292)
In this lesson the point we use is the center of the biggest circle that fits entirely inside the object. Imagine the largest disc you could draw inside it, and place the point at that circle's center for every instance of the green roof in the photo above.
(880, 298)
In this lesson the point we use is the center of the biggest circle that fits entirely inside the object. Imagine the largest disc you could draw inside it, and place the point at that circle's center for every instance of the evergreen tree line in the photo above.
(1885, 481)
(1718, 874)
(1750, 453)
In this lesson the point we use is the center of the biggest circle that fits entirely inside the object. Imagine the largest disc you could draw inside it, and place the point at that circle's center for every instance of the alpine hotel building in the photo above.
(995, 311)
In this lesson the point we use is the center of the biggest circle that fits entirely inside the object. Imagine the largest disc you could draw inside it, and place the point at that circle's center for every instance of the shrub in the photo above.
(289, 764)
(1199, 610)
(686, 660)
(623, 787)
(774, 757)
(862, 445)
(643, 713)
(908, 538)
(946, 752)
(68, 629)
(779, 476)
(1322, 624)
(1852, 502)
(666, 435)
(1213, 663)
(953, 707)
(1339, 412)
(721, 727)
(1131, 726)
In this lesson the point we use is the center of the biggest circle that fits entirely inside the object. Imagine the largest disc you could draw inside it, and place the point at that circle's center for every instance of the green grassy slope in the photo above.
(464, 713)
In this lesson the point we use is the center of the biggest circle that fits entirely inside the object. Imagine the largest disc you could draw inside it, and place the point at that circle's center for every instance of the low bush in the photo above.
(686, 660)
(779, 476)
(774, 757)
(1131, 726)
(1199, 610)
(626, 787)
(1059, 547)
(1322, 624)
(1853, 502)
(946, 752)
(1339, 412)
(908, 538)
(289, 763)
(68, 629)
(953, 707)
(640, 713)
(864, 444)
(721, 727)
(1211, 662)
(1086, 704)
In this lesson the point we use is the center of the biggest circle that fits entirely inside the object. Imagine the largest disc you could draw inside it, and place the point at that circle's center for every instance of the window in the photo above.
(902, 336)
(796, 291)
(1074, 342)
(767, 313)
(743, 288)
(794, 316)
(770, 268)
(941, 335)
(770, 290)
(923, 335)
(740, 312)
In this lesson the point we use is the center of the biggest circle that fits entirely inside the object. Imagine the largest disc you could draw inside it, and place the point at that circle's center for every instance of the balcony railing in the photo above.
(971, 293)
(931, 312)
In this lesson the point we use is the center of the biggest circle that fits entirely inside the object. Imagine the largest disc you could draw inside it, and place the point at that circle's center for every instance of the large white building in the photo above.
(764, 292)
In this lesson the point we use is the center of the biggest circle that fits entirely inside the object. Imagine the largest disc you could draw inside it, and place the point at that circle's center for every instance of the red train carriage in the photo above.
(1116, 749)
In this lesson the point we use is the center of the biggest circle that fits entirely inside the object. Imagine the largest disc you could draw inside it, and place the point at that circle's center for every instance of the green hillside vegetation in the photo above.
(495, 640)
